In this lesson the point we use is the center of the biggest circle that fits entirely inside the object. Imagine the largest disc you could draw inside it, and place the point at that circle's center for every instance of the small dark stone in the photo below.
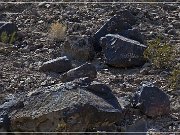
(85, 70)
(59, 65)
(139, 126)
(78, 48)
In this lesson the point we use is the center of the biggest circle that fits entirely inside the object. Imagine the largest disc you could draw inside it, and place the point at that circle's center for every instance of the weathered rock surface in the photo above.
(152, 101)
(133, 34)
(59, 65)
(122, 52)
(85, 70)
(74, 106)
(79, 48)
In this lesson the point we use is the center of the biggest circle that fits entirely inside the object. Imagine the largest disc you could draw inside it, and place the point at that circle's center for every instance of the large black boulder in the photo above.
(122, 52)
(75, 106)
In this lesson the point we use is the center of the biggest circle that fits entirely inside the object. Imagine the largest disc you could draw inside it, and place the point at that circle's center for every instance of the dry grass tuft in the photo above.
(58, 31)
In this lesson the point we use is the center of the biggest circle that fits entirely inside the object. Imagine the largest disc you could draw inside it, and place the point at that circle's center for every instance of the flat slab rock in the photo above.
(59, 65)
(122, 52)
(85, 70)
(72, 106)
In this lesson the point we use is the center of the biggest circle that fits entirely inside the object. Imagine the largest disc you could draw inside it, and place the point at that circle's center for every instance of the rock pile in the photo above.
(73, 94)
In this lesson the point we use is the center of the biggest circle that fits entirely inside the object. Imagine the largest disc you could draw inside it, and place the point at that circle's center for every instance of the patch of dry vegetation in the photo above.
(57, 31)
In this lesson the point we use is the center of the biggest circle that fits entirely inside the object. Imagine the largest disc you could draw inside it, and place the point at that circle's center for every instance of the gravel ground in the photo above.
(19, 67)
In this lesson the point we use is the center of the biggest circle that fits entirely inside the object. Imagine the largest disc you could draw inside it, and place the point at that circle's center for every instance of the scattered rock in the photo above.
(172, 32)
(79, 48)
(69, 107)
(11, 104)
(152, 101)
(145, 70)
(176, 24)
(85, 70)
(170, 7)
(139, 126)
(122, 52)
(59, 65)
(18, 64)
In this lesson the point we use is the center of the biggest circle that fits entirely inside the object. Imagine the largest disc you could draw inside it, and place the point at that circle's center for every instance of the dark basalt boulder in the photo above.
(58, 65)
(122, 52)
(133, 34)
(75, 106)
(85, 70)
(122, 21)
(152, 101)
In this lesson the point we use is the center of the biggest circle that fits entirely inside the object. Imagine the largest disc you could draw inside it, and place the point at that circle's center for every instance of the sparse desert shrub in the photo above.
(12, 38)
(57, 31)
(5, 38)
(159, 54)
(174, 79)
(165, 56)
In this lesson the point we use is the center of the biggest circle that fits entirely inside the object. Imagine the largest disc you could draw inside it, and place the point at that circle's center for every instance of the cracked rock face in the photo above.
(74, 106)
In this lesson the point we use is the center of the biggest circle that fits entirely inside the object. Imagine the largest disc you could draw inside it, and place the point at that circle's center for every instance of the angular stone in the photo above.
(122, 52)
(122, 21)
(68, 107)
(78, 48)
(112, 26)
(59, 65)
(139, 126)
(152, 101)
(85, 70)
